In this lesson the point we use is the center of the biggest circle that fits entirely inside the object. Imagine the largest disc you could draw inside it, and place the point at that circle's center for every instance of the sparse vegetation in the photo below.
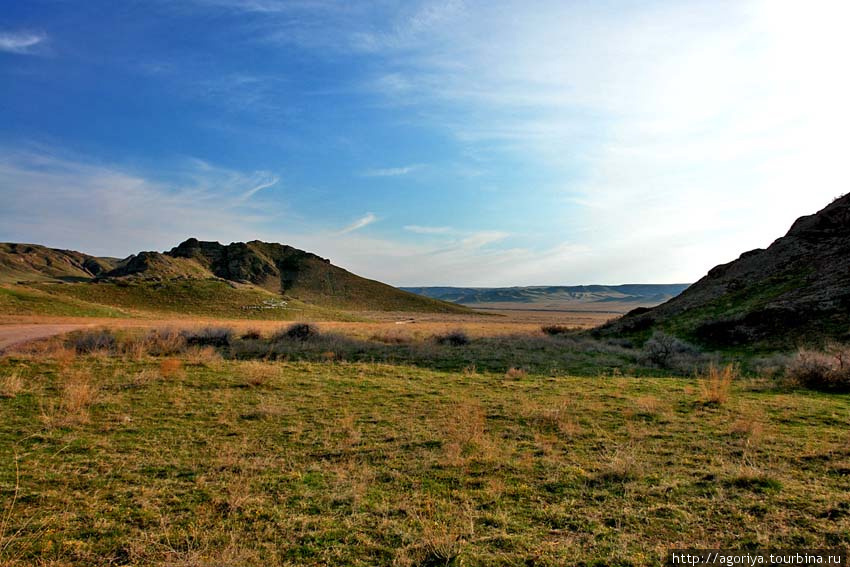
(453, 338)
(281, 463)
(716, 384)
(297, 332)
(828, 371)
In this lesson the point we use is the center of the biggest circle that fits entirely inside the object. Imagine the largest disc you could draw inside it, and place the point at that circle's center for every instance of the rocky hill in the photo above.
(32, 262)
(274, 268)
(797, 291)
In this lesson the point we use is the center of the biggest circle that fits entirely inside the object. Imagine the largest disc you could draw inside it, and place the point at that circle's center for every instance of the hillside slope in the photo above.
(33, 262)
(796, 291)
(274, 269)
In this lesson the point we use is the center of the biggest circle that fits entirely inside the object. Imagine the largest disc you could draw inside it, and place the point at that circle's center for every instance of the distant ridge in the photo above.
(794, 292)
(274, 268)
(579, 297)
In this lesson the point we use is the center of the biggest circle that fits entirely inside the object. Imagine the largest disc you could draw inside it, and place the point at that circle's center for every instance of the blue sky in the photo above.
(443, 142)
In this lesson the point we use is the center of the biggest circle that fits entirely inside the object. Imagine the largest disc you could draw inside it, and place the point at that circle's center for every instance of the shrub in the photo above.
(663, 350)
(87, 342)
(251, 335)
(716, 384)
(514, 373)
(297, 332)
(825, 371)
(554, 330)
(165, 342)
(453, 338)
(218, 337)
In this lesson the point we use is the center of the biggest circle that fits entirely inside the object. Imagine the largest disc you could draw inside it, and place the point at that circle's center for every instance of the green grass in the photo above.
(18, 300)
(189, 297)
(308, 463)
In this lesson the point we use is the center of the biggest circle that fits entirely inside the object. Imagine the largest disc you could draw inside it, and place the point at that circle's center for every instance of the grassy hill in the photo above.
(797, 291)
(28, 262)
(240, 280)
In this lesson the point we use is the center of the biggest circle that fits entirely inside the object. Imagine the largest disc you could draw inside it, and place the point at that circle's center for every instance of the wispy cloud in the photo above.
(363, 221)
(21, 42)
(67, 202)
(391, 171)
(417, 229)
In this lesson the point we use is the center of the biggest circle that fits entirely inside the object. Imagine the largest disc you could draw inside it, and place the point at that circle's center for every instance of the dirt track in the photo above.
(15, 334)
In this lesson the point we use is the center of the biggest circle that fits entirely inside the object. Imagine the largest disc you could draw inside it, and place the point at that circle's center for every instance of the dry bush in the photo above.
(10, 385)
(554, 330)
(202, 356)
(170, 368)
(514, 373)
(258, 373)
(218, 337)
(296, 332)
(452, 338)
(716, 384)
(393, 337)
(77, 392)
(827, 371)
(134, 348)
(165, 342)
(251, 335)
(88, 342)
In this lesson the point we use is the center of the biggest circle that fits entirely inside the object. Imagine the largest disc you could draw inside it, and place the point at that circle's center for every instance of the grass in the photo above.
(228, 462)
(187, 298)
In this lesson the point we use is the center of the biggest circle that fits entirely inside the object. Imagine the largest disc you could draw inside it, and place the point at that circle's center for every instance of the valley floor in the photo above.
(266, 453)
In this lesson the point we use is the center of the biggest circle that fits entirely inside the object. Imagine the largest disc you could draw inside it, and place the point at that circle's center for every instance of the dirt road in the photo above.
(16, 334)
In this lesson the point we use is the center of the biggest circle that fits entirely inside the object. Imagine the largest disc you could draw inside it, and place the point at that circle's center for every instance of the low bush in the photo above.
(297, 332)
(251, 335)
(554, 330)
(218, 337)
(453, 338)
(825, 371)
(165, 342)
(87, 342)
(667, 351)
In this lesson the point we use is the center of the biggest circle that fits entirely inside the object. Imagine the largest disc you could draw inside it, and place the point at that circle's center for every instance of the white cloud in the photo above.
(363, 221)
(21, 42)
(391, 171)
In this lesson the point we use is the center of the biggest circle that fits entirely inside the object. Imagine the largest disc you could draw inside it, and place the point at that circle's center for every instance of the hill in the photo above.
(796, 291)
(265, 279)
(32, 262)
(608, 298)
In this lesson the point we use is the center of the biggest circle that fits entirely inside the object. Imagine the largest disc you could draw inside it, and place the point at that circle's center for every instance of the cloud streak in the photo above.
(22, 43)
(391, 171)
(363, 221)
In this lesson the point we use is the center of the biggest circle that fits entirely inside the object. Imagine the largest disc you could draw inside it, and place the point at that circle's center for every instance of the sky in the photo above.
(426, 142)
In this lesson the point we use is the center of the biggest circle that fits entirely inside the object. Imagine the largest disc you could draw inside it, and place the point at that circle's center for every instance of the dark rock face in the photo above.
(796, 291)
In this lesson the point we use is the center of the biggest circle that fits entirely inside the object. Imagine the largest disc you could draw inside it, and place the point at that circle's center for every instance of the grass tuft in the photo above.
(716, 384)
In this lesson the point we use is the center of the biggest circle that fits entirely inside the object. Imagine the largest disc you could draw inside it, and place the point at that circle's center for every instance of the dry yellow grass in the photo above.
(11, 384)
(170, 368)
(515, 373)
(716, 384)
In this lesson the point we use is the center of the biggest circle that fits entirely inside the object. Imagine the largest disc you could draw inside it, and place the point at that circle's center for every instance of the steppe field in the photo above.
(402, 439)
